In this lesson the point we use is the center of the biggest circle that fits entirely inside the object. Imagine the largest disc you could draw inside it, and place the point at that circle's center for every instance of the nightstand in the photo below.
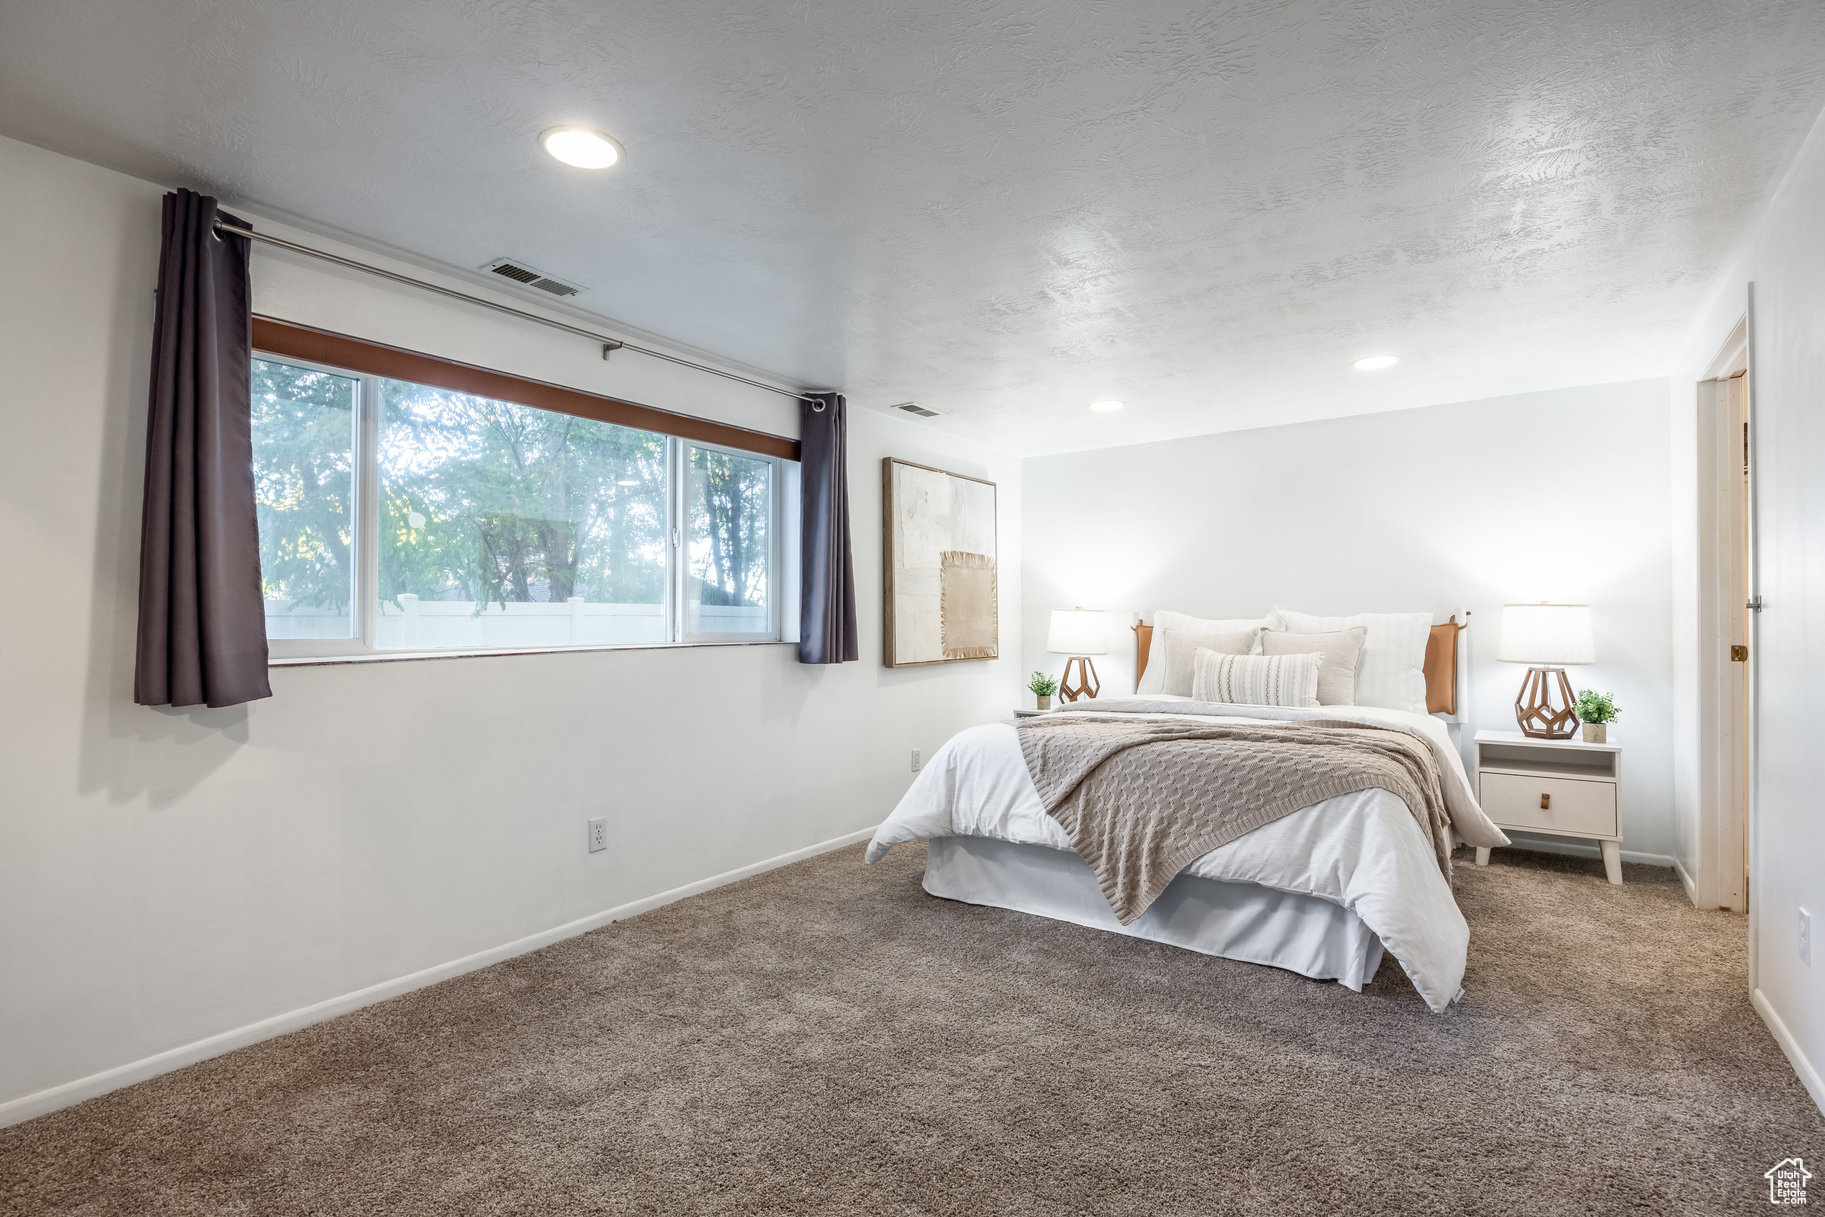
(1562, 788)
(1030, 713)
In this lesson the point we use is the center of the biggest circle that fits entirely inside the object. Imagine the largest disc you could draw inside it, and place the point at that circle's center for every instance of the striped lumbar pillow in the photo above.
(1256, 680)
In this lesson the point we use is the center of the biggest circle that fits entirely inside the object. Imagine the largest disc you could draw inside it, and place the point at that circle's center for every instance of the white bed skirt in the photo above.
(1242, 921)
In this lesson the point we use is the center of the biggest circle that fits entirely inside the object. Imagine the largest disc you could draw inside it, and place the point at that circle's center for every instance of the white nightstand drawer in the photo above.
(1515, 801)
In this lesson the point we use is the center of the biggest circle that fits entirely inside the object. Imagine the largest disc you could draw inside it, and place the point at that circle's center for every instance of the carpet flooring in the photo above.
(827, 1039)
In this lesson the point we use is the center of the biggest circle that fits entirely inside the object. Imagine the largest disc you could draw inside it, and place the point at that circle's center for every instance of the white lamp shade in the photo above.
(1077, 632)
(1547, 635)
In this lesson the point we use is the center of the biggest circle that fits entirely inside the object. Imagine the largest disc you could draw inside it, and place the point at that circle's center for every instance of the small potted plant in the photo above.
(1043, 687)
(1596, 711)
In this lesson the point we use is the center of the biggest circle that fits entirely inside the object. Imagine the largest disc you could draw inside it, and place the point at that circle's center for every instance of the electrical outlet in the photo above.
(1806, 938)
(598, 834)
(916, 762)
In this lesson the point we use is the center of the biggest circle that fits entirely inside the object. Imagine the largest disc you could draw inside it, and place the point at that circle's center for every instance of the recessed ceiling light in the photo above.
(1106, 407)
(581, 147)
(1375, 363)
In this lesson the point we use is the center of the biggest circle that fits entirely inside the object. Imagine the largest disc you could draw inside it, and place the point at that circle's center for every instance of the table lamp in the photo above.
(1547, 637)
(1078, 633)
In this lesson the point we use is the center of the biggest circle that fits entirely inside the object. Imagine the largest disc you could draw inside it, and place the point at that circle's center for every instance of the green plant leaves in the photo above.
(1595, 707)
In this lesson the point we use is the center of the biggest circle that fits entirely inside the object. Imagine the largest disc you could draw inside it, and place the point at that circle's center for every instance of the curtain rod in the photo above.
(608, 344)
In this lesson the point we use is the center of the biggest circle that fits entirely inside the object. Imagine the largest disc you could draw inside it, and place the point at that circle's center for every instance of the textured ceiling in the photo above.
(1003, 209)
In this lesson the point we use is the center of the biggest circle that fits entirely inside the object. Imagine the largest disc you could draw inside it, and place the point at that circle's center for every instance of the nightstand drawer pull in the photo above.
(1546, 802)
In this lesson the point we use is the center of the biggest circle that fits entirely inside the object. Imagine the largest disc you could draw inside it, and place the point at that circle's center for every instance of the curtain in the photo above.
(202, 626)
(826, 630)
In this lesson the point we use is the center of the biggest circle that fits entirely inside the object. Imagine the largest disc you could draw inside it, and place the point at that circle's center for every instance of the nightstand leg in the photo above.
(1482, 856)
(1612, 861)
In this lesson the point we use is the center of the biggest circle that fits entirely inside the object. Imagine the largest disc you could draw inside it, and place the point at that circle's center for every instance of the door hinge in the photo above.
(1739, 653)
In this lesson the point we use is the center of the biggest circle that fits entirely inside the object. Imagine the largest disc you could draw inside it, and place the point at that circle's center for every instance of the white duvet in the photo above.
(1364, 851)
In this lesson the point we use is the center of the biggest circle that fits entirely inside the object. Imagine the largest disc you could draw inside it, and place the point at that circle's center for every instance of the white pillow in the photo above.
(1175, 651)
(1153, 679)
(1342, 651)
(1256, 680)
(1392, 670)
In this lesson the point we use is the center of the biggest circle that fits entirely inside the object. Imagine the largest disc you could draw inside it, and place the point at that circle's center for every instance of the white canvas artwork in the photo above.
(939, 566)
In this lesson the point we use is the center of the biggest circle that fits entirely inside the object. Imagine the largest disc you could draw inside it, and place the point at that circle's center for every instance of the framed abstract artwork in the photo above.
(938, 566)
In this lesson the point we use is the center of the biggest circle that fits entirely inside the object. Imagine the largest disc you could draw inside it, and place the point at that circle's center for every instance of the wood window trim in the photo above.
(283, 339)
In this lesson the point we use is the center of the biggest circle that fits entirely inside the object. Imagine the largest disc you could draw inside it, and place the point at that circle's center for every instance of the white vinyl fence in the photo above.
(431, 625)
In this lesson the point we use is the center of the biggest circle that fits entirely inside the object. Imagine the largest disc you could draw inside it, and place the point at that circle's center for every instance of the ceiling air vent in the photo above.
(913, 407)
(519, 272)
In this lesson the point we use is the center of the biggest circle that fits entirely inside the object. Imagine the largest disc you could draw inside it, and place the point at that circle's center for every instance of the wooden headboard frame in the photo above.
(1440, 666)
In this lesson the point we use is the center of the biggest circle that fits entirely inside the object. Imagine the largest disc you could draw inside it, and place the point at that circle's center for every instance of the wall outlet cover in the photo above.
(598, 834)
(916, 761)
(1806, 938)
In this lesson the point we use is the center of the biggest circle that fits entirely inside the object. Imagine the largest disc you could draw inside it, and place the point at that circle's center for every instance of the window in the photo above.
(728, 500)
(304, 493)
(401, 516)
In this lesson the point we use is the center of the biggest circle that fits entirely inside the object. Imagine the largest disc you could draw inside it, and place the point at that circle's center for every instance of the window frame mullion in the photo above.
(677, 513)
(367, 516)
(776, 552)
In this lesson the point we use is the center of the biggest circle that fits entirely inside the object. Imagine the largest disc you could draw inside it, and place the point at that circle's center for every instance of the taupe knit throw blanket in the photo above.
(1141, 799)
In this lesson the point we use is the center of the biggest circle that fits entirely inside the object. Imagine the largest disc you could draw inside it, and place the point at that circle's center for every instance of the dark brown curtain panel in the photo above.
(826, 628)
(202, 627)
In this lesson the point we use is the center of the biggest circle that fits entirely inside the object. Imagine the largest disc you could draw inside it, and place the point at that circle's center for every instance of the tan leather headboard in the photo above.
(1440, 666)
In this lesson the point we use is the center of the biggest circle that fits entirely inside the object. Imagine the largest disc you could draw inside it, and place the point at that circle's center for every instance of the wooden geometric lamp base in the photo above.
(1535, 710)
(1086, 684)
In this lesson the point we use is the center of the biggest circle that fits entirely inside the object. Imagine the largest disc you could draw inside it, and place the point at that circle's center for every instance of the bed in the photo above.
(1323, 891)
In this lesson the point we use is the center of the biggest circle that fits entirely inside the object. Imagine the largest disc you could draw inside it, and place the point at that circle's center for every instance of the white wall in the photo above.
(1784, 258)
(167, 876)
(1548, 496)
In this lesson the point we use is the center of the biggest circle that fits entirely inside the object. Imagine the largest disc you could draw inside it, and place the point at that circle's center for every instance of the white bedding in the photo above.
(1363, 851)
(1242, 921)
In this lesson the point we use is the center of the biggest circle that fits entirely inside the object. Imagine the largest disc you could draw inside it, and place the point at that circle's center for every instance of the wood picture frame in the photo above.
(961, 580)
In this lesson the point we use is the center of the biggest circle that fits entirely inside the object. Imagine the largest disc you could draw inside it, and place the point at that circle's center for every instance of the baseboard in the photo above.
(1809, 1077)
(1679, 868)
(1589, 849)
(30, 1106)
